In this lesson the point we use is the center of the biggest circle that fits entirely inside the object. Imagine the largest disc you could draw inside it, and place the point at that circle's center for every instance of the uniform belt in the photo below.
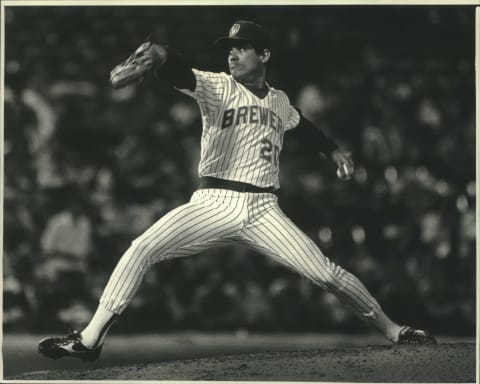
(213, 182)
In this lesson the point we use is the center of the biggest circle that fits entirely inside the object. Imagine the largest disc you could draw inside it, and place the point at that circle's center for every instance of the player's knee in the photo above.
(140, 247)
(329, 282)
(333, 279)
(152, 250)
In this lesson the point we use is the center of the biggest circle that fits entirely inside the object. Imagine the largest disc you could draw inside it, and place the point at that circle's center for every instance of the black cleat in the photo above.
(70, 345)
(409, 335)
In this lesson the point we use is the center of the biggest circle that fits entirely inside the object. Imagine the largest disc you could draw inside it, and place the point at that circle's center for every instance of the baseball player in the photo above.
(244, 120)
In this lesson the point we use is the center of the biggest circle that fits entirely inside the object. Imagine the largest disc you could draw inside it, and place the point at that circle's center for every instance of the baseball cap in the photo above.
(245, 31)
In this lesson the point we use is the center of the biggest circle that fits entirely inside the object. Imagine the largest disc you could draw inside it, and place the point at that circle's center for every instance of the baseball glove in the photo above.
(133, 69)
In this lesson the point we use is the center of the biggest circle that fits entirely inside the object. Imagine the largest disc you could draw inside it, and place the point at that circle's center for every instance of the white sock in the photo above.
(97, 328)
(387, 327)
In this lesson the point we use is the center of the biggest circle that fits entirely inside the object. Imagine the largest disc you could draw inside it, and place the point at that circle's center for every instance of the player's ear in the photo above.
(265, 56)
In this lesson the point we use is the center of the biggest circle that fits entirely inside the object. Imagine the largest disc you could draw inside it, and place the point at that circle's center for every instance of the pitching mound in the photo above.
(437, 363)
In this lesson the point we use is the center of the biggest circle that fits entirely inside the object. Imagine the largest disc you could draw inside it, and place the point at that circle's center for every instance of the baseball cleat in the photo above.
(70, 345)
(410, 335)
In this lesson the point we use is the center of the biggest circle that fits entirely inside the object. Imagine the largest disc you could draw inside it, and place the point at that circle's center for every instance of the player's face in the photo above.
(244, 63)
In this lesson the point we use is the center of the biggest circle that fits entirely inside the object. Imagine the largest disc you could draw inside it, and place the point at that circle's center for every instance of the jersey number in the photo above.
(270, 152)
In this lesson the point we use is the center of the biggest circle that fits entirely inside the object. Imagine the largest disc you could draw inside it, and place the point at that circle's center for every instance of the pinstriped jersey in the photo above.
(242, 134)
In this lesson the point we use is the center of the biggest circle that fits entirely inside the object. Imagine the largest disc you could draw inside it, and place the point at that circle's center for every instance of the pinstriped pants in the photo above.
(216, 217)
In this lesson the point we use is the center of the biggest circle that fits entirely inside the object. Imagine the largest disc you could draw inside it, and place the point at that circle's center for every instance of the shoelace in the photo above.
(71, 337)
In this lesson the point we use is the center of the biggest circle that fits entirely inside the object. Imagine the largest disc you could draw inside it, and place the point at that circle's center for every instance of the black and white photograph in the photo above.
(233, 192)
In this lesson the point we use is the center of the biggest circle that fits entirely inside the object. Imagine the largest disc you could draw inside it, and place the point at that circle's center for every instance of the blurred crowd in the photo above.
(88, 168)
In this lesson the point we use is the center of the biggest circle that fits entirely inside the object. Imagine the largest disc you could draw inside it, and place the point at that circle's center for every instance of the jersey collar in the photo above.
(259, 92)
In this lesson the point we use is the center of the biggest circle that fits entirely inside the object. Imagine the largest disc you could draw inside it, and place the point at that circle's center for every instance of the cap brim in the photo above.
(225, 42)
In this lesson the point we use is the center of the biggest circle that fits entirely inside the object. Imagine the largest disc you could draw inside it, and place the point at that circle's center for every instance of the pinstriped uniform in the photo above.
(237, 145)
(240, 145)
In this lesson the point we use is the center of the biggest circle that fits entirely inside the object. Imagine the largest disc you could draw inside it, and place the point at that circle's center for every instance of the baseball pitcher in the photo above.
(244, 121)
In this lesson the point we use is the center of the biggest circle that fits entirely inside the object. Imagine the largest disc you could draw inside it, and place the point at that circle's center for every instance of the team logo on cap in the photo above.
(234, 30)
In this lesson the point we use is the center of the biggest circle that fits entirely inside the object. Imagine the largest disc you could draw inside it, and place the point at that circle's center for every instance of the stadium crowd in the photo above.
(88, 168)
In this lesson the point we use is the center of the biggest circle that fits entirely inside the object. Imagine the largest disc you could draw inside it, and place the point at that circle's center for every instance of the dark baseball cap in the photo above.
(245, 31)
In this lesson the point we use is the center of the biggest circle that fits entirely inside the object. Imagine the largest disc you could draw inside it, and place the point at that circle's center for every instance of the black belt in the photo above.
(213, 182)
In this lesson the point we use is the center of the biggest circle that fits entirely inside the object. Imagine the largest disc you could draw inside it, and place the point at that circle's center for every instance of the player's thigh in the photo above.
(188, 229)
(276, 236)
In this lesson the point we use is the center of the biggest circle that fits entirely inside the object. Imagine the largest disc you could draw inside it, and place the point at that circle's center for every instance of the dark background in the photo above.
(95, 167)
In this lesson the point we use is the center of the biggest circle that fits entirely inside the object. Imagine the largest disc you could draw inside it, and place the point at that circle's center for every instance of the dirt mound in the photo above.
(437, 363)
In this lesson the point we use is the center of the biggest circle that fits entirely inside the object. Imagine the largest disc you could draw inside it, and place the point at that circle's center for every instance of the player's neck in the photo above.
(258, 83)
(257, 86)
(262, 85)
(260, 92)
(254, 79)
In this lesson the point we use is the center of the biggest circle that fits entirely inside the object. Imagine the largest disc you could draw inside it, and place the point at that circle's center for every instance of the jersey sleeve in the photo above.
(209, 85)
(208, 92)
(293, 118)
